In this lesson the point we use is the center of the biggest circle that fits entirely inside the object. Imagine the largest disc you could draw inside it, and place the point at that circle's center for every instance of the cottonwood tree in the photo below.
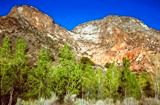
(18, 79)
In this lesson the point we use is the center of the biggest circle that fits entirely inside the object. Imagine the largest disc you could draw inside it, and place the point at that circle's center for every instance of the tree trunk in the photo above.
(5, 99)
(9, 99)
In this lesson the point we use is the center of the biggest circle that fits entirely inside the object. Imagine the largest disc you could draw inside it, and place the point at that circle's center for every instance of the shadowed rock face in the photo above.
(103, 41)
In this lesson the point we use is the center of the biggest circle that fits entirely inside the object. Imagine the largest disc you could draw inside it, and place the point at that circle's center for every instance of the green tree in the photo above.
(40, 77)
(13, 71)
(129, 81)
(113, 79)
(89, 82)
(18, 80)
(67, 74)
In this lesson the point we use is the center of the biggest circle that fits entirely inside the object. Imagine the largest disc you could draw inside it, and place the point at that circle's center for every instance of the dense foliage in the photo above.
(69, 76)
(14, 71)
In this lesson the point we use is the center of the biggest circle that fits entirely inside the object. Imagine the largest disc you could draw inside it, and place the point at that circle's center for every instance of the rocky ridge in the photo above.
(103, 41)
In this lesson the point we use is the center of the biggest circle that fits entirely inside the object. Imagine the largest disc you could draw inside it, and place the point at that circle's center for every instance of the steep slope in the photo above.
(38, 29)
(114, 37)
(104, 41)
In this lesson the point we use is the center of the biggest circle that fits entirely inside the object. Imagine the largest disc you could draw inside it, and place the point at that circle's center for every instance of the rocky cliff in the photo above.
(103, 41)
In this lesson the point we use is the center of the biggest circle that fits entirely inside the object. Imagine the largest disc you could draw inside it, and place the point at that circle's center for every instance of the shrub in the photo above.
(149, 101)
(155, 59)
(130, 101)
(146, 84)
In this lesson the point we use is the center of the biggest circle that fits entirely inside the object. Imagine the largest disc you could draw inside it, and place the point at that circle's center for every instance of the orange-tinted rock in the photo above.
(103, 41)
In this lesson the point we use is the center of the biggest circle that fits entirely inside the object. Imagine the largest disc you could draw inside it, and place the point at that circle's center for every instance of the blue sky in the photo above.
(69, 13)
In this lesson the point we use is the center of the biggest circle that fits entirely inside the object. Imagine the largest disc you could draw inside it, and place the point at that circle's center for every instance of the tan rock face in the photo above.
(36, 28)
(103, 41)
(33, 16)
(119, 37)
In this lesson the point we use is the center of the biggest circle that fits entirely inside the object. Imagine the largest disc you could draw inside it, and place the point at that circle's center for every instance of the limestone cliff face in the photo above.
(103, 41)
(114, 37)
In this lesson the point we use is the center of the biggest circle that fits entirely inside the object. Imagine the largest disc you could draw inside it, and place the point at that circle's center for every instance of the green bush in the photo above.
(146, 84)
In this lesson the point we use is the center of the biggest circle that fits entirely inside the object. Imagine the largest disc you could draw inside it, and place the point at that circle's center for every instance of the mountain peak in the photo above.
(103, 41)
(33, 16)
(128, 24)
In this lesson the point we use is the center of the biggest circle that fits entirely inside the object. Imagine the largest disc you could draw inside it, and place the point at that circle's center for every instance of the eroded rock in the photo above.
(103, 41)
